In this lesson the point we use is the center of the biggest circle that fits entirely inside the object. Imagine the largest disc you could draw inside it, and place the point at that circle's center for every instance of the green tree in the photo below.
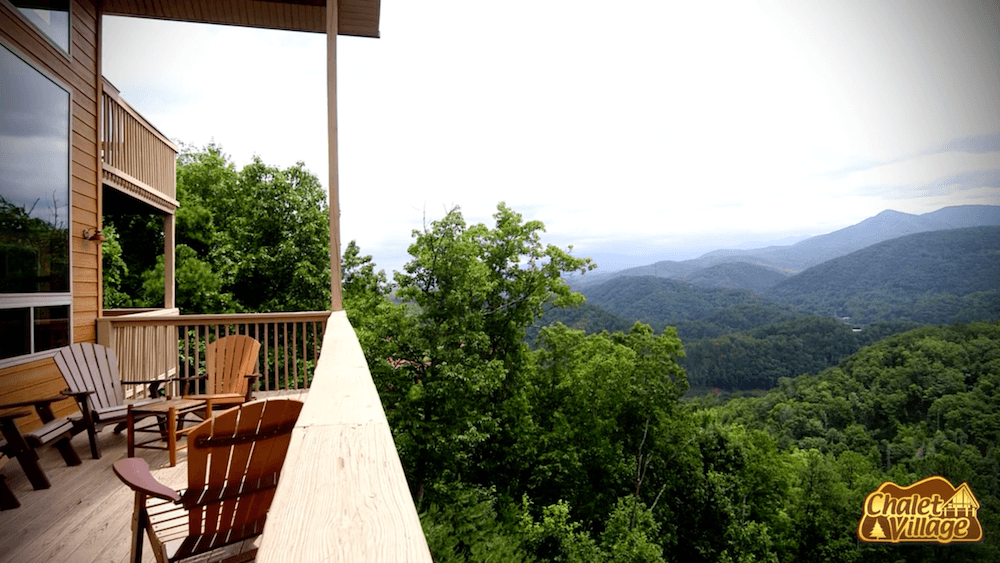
(249, 240)
(474, 291)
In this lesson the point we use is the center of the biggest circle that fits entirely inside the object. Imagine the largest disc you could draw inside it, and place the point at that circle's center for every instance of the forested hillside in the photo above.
(695, 311)
(757, 358)
(934, 277)
(581, 449)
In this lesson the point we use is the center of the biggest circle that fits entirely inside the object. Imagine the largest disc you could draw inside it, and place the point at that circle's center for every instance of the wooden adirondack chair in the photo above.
(230, 372)
(234, 460)
(91, 374)
(21, 446)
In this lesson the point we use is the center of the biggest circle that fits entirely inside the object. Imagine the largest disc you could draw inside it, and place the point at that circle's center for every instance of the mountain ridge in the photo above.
(795, 258)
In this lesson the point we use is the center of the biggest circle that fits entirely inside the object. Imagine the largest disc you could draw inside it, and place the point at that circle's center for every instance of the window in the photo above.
(51, 17)
(34, 209)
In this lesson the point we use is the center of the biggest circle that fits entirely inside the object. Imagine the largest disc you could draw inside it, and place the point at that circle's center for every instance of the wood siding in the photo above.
(78, 72)
(35, 379)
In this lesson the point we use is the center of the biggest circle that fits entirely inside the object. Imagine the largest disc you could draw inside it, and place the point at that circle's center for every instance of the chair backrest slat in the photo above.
(251, 456)
(228, 360)
(86, 366)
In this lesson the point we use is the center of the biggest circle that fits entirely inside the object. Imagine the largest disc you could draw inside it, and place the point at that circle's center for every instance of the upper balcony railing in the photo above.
(137, 158)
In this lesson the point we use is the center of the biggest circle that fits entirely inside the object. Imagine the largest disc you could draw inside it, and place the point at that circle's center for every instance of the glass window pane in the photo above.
(34, 180)
(14, 325)
(50, 16)
(51, 327)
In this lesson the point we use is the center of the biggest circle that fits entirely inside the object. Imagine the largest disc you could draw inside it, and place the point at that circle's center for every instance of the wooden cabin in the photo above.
(72, 148)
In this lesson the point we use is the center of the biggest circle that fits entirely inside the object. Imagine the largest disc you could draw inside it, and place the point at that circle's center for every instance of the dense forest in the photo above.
(581, 447)
(535, 426)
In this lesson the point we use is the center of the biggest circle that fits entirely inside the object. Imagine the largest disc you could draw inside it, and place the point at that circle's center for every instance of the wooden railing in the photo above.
(342, 496)
(136, 157)
(163, 344)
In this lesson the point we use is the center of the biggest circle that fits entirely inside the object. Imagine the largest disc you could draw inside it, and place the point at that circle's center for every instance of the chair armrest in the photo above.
(78, 395)
(34, 402)
(191, 377)
(134, 472)
(154, 385)
(252, 377)
(150, 381)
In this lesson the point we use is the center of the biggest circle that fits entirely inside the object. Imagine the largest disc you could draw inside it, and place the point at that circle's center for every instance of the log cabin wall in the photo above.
(77, 72)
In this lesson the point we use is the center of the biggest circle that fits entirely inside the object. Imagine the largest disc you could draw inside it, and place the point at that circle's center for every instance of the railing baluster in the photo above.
(285, 326)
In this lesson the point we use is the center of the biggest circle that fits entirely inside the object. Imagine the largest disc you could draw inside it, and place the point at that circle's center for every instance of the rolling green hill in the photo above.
(932, 277)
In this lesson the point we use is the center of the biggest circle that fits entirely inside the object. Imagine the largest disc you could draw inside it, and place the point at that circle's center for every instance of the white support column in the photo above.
(332, 21)
(168, 262)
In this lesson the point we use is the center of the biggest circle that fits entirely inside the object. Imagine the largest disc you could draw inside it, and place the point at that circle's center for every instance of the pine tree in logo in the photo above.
(877, 533)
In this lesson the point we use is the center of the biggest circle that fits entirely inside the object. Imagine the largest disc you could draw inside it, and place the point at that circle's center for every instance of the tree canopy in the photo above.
(249, 240)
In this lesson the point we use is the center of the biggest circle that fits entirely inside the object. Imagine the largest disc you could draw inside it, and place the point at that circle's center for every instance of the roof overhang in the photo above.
(355, 17)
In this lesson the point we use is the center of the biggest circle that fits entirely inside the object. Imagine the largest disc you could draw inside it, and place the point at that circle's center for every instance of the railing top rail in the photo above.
(342, 495)
(179, 320)
(111, 92)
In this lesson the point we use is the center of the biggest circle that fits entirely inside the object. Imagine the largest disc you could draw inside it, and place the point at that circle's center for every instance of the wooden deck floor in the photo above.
(86, 515)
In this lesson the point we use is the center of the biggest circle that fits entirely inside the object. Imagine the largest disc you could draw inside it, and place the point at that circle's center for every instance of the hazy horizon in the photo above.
(649, 128)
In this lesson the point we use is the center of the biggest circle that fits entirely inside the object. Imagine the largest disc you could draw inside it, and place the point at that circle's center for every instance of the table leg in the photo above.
(172, 435)
(131, 432)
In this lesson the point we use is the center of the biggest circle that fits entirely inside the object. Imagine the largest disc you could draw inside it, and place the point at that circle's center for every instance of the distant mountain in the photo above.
(696, 311)
(736, 275)
(928, 277)
(795, 258)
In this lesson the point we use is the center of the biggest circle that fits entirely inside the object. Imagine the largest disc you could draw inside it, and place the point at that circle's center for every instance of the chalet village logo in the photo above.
(930, 510)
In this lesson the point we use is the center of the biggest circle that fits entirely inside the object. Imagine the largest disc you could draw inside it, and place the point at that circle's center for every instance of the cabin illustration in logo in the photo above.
(962, 504)
(928, 511)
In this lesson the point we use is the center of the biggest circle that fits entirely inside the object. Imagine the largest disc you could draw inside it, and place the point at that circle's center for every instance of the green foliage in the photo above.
(474, 291)
(114, 270)
(581, 449)
(757, 358)
(249, 240)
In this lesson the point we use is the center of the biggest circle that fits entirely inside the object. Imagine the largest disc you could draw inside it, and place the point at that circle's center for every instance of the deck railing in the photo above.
(163, 344)
(342, 496)
(136, 157)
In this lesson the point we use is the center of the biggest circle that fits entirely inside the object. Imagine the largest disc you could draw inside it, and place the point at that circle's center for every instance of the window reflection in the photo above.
(14, 325)
(50, 16)
(51, 327)
(34, 180)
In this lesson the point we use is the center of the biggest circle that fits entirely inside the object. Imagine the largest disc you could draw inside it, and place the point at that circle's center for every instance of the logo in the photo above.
(930, 510)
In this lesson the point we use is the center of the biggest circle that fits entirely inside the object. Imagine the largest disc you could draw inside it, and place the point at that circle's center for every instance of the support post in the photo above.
(169, 284)
(332, 25)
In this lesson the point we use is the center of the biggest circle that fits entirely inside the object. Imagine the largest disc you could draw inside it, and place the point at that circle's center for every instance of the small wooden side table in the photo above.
(165, 427)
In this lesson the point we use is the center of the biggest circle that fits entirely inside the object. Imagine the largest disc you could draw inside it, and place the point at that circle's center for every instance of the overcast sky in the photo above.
(636, 130)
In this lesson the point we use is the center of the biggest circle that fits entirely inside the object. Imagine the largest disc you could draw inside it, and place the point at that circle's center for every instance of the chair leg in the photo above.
(139, 521)
(7, 498)
(69, 455)
(29, 464)
(95, 448)
(17, 447)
